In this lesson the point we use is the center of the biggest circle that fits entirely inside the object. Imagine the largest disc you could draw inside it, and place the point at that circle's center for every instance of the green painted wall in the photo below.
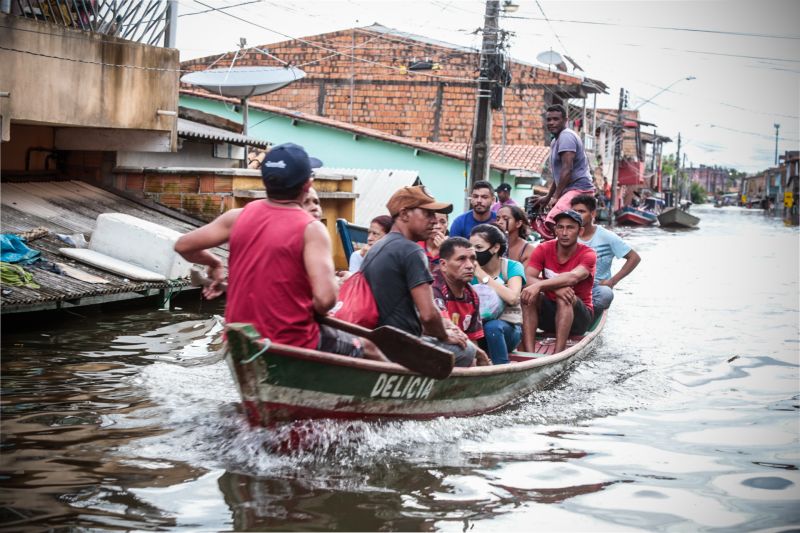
(443, 176)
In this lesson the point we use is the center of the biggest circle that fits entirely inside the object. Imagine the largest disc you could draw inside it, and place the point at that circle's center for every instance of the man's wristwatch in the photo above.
(485, 279)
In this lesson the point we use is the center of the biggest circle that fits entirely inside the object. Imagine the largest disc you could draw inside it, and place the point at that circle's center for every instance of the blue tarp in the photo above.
(14, 250)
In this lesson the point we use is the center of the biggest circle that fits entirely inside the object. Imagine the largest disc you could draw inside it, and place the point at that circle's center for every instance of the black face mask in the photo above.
(484, 257)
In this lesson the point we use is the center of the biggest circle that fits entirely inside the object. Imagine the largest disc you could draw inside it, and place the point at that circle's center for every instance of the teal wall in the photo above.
(443, 176)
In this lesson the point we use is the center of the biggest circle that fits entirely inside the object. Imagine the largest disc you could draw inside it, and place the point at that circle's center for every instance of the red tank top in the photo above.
(267, 281)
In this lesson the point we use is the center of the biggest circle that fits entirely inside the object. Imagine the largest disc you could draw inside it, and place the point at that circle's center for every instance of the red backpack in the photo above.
(356, 304)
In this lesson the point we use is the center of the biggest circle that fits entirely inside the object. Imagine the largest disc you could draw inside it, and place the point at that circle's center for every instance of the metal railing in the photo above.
(144, 21)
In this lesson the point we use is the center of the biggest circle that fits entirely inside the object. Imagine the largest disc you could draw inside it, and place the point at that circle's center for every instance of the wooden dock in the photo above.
(69, 207)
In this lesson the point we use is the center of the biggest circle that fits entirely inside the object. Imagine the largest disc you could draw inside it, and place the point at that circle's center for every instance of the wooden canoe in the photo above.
(282, 383)
(635, 217)
(674, 217)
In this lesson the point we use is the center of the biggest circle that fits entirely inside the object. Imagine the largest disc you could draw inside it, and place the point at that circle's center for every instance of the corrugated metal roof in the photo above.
(196, 130)
(70, 207)
(374, 188)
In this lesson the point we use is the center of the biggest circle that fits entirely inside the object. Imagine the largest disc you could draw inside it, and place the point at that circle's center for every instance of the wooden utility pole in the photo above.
(481, 139)
(676, 191)
(618, 135)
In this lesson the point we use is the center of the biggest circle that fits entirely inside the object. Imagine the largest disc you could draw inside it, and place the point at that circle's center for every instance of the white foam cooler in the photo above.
(142, 244)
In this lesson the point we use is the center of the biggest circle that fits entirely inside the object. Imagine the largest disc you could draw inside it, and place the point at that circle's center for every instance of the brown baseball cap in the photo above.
(413, 197)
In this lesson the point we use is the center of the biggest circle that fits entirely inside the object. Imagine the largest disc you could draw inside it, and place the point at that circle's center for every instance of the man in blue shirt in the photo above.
(607, 245)
(481, 198)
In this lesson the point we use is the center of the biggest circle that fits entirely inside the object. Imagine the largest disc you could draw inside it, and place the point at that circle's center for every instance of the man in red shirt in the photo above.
(562, 299)
(452, 292)
(280, 266)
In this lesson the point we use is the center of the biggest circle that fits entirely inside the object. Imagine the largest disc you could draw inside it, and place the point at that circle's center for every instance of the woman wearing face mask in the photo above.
(506, 277)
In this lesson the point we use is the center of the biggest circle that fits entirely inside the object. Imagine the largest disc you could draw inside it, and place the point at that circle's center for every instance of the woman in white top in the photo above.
(506, 277)
(378, 228)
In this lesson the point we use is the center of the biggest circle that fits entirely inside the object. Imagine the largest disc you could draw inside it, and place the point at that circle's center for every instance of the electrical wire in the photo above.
(336, 52)
(665, 28)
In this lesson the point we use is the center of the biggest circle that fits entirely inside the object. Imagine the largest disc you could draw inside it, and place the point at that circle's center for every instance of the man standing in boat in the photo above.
(607, 245)
(561, 301)
(280, 264)
(569, 165)
(397, 272)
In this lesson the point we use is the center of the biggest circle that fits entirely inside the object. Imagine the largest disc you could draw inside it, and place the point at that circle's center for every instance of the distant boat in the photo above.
(674, 217)
(635, 217)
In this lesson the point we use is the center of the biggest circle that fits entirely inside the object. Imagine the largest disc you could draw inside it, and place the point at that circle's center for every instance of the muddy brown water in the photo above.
(683, 418)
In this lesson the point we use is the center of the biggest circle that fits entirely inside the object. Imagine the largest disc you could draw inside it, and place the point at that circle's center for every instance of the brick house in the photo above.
(367, 77)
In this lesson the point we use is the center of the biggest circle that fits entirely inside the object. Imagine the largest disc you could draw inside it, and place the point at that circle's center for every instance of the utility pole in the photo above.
(676, 198)
(618, 135)
(481, 139)
(777, 129)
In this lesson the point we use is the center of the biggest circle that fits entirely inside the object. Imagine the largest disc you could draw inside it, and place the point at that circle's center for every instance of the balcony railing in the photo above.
(144, 21)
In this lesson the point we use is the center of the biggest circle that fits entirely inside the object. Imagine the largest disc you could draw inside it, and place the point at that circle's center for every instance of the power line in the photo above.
(665, 28)
(220, 8)
(336, 52)
(86, 61)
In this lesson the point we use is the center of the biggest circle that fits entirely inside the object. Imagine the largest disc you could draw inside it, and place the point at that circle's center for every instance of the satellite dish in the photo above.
(243, 82)
(552, 58)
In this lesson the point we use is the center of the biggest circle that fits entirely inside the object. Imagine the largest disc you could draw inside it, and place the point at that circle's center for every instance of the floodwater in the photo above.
(683, 418)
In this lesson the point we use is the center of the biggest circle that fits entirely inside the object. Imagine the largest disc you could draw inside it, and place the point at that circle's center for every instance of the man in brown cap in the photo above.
(397, 271)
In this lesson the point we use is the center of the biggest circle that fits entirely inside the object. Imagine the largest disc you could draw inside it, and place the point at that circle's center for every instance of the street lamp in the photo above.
(668, 87)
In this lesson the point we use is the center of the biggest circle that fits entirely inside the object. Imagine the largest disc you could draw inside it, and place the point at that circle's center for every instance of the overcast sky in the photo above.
(745, 55)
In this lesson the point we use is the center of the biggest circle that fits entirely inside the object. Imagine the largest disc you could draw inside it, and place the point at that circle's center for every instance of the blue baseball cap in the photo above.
(574, 215)
(286, 166)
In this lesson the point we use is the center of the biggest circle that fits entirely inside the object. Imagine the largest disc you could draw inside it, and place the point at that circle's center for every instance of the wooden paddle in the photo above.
(399, 346)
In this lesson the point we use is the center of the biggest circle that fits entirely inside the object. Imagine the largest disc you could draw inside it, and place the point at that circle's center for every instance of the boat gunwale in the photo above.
(395, 368)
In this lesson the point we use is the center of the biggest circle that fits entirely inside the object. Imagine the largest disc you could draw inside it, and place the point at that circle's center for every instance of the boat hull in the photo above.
(674, 217)
(635, 217)
(277, 385)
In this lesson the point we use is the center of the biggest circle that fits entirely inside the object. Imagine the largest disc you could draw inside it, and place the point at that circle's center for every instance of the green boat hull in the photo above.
(282, 383)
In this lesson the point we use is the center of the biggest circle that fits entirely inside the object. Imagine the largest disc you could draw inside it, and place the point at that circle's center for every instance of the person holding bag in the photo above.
(506, 278)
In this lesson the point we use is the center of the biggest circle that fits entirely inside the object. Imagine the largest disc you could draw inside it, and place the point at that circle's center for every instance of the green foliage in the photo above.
(698, 193)
(668, 165)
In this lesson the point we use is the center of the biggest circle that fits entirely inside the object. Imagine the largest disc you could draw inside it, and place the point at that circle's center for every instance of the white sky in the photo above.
(725, 116)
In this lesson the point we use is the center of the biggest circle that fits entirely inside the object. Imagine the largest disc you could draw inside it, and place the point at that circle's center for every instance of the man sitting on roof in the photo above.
(280, 264)
(562, 299)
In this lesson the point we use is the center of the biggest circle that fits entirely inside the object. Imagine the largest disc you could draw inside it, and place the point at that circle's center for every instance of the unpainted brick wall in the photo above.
(371, 91)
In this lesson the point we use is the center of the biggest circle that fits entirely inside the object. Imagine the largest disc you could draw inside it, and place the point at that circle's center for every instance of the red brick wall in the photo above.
(417, 106)
(204, 196)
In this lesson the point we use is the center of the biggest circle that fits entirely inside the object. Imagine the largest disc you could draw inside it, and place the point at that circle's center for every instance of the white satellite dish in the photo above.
(243, 82)
(552, 58)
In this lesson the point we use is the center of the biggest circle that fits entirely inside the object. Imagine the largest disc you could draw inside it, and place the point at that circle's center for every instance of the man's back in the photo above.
(268, 284)
(607, 245)
(393, 267)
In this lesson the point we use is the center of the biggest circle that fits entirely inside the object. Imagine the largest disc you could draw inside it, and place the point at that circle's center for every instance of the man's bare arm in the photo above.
(632, 260)
(318, 261)
(194, 246)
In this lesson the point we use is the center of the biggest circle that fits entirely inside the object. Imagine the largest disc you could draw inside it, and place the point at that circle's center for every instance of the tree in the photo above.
(697, 193)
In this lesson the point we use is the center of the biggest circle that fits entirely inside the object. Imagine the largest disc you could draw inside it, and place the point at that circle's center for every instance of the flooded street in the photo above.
(684, 417)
